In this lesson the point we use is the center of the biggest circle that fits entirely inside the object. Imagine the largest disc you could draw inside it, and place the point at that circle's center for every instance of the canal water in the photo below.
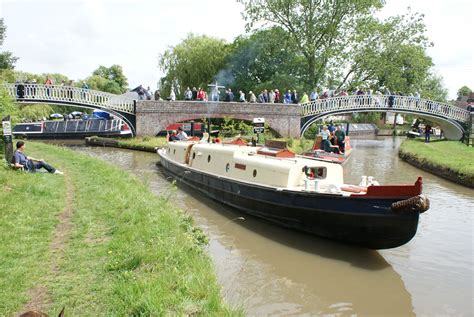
(268, 270)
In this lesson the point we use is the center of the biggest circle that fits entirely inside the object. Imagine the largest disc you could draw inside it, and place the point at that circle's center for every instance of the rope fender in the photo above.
(419, 203)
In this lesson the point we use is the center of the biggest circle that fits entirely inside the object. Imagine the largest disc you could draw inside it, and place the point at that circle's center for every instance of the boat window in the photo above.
(194, 155)
(254, 173)
(227, 167)
(209, 158)
(174, 151)
(318, 172)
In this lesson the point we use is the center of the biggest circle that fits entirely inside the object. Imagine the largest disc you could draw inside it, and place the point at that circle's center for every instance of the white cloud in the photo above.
(74, 37)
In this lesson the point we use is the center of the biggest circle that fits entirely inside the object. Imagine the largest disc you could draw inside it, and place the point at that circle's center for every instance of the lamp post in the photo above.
(215, 91)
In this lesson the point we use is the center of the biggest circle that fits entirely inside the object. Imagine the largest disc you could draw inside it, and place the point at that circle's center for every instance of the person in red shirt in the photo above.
(200, 94)
(48, 83)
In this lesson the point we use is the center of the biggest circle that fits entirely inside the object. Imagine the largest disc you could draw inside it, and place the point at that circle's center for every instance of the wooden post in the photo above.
(7, 138)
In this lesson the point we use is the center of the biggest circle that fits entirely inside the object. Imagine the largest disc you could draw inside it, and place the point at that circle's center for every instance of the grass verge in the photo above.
(148, 142)
(449, 159)
(128, 251)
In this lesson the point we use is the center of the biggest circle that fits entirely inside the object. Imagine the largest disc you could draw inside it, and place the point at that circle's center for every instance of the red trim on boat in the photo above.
(394, 190)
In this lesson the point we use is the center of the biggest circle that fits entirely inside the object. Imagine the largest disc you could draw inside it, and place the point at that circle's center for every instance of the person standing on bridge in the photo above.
(287, 97)
(70, 90)
(252, 98)
(241, 96)
(277, 96)
(200, 94)
(85, 88)
(304, 99)
(48, 83)
(294, 97)
(188, 94)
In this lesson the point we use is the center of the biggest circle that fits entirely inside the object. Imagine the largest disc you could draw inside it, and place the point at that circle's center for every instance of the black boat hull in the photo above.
(367, 222)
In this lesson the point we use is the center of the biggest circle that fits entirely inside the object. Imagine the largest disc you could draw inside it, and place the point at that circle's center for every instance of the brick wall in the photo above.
(154, 116)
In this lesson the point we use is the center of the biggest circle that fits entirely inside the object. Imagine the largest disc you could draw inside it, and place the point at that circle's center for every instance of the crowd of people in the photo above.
(270, 96)
(29, 89)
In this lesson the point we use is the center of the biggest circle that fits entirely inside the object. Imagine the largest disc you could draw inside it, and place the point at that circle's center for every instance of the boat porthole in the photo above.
(227, 167)
(194, 155)
(208, 158)
(254, 173)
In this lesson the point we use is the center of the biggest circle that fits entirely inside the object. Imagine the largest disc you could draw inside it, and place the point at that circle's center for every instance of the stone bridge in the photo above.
(154, 116)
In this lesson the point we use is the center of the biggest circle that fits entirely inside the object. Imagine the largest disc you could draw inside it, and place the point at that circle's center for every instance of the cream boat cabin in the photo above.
(244, 164)
(296, 192)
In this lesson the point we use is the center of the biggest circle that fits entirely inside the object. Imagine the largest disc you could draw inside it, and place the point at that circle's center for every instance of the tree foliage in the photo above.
(195, 62)
(7, 60)
(7, 107)
(115, 80)
(264, 59)
(464, 91)
(96, 82)
(319, 30)
(388, 53)
(35, 112)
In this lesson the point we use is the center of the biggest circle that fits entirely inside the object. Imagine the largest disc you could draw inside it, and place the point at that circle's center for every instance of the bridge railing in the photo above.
(69, 94)
(384, 103)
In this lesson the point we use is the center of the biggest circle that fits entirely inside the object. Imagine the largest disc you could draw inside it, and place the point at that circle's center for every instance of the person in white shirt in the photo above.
(182, 136)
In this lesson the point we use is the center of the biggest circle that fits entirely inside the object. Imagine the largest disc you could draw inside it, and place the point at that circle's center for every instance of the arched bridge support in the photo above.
(154, 116)
(452, 120)
(121, 106)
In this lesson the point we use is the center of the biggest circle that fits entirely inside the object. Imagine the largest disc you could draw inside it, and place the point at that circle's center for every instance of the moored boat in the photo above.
(297, 192)
(72, 129)
(332, 154)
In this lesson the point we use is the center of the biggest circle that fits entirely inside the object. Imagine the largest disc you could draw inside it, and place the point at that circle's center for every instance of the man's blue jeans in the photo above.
(32, 166)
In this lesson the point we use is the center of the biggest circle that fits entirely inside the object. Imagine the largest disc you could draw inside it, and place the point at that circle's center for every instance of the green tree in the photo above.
(319, 30)
(194, 62)
(115, 75)
(7, 107)
(265, 60)
(35, 112)
(388, 53)
(7, 60)
(464, 91)
(433, 88)
(100, 83)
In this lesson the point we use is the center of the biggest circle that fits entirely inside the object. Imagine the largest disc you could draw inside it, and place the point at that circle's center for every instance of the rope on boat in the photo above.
(419, 203)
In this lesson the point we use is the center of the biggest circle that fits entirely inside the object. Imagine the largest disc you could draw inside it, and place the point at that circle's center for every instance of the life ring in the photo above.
(333, 189)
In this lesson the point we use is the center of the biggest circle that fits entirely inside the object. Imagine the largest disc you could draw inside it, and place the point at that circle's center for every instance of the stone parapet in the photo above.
(154, 116)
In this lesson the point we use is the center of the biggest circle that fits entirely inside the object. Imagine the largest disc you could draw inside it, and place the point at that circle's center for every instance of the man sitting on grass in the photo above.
(28, 163)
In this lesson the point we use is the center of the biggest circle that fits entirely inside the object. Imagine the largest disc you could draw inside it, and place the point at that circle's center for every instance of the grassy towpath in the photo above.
(449, 159)
(98, 242)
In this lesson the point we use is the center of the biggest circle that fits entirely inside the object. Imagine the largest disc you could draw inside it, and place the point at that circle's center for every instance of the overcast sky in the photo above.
(74, 37)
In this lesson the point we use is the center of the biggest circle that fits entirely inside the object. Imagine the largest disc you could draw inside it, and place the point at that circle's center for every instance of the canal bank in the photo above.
(451, 160)
(145, 144)
(97, 242)
(272, 271)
